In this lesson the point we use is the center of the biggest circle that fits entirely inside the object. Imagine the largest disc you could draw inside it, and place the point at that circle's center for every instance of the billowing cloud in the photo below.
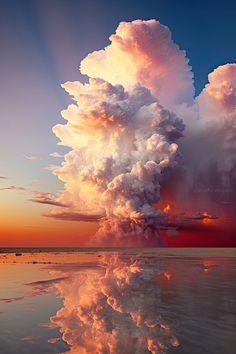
(122, 141)
(125, 232)
(134, 129)
(209, 148)
(143, 52)
(219, 95)
(217, 106)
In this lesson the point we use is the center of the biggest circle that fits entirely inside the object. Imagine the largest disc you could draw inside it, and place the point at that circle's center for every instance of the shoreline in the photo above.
(78, 255)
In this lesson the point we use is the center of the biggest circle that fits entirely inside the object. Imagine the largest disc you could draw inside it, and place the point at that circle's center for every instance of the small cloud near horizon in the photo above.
(50, 168)
(48, 325)
(73, 216)
(56, 154)
(54, 340)
(28, 338)
(12, 188)
(46, 198)
(32, 157)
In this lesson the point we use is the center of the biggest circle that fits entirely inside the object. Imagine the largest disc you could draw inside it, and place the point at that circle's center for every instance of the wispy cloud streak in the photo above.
(47, 198)
(73, 216)
(32, 157)
(12, 188)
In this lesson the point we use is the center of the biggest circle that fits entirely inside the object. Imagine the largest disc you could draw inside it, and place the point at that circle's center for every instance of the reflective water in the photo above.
(126, 303)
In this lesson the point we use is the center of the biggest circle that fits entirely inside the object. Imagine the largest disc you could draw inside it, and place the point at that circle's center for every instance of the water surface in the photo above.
(122, 302)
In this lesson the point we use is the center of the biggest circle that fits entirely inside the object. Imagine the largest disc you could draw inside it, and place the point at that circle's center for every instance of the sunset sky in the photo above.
(42, 44)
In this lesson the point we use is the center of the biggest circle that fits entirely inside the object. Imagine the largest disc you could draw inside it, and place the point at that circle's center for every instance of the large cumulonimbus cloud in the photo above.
(124, 137)
(122, 140)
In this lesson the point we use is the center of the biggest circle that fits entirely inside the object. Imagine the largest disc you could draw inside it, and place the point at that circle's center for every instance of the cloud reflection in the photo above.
(136, 304)
(114, 308)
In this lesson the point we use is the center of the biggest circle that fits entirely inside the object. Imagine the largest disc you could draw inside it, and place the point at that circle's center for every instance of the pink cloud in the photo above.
(47, 198)
(50, 168)
(48, 325)
(32, 157)
(28, 338)
(54, 340)
(143, 52)
(12, 188)
(56, 154)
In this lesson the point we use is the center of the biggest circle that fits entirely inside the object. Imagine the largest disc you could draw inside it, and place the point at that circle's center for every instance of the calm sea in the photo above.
(89, 301)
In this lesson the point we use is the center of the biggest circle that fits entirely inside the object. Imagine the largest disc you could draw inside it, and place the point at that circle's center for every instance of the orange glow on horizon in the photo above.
(74, 234)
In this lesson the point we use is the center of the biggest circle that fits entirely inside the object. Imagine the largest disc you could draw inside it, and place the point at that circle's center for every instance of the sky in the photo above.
(42, 44)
